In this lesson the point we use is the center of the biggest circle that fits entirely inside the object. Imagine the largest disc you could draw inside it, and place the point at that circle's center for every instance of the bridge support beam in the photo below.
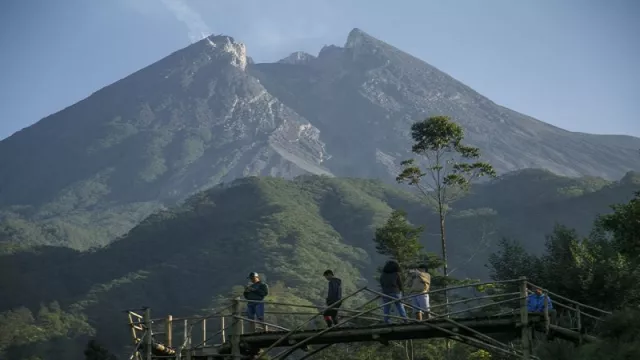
(149, 340)
(524, 320)
(579, 323)
(236, 329)
(169, 331)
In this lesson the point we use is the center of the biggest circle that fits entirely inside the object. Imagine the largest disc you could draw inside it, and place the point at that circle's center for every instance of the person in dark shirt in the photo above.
(391, 284)
(255, 292)
(334, 295)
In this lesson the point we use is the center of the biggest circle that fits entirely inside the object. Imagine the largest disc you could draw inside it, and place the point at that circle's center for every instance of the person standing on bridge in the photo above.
(255, 292)
(535, 303)
(419, 284)
(334, 295)
(391, 284)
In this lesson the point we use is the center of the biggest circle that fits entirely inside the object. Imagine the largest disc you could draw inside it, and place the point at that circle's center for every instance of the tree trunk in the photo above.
(445, 271)
(445, 268)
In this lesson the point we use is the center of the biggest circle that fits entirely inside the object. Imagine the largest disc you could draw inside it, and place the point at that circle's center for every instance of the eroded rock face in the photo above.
(298, 57)
(373, 92)
(187, 122)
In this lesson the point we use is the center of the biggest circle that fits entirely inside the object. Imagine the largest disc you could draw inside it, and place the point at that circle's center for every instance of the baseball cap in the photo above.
(252, 274)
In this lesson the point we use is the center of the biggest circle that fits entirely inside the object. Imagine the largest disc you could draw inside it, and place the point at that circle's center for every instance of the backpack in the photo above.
(420, 282)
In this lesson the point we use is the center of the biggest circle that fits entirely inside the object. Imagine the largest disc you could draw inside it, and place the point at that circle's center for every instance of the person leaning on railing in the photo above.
(535, 304)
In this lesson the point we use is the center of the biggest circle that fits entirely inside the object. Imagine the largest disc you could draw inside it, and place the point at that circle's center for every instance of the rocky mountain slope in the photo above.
(206, 114)
(364, 96)
(185, 123)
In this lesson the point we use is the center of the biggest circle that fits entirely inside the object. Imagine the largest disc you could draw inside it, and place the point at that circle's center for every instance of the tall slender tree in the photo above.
(399, 240)
(451, 167)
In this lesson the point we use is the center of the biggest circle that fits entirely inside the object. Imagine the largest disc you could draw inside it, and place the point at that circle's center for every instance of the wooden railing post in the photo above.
(169, 330)
(224, 332)
(204, 332)
(187, 338)
(236, 329)
(148, 338)
(524, 319)
(185, 332)
(579, 321)
(547, 322)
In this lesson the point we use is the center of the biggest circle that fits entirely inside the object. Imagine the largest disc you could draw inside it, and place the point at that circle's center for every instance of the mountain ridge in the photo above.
(207, 114)
(480, 129)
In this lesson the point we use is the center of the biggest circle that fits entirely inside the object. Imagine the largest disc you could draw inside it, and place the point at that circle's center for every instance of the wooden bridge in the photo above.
(501, 315)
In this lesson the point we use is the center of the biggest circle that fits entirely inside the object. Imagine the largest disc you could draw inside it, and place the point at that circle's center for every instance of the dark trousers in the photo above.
(541, 327)
(553, 315)
(331, 315)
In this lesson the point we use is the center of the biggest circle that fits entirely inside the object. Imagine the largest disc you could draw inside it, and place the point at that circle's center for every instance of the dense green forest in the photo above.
(289, 230)
(601, 270)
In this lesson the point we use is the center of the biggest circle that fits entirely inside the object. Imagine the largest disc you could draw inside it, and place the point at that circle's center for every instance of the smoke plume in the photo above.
(198, 29)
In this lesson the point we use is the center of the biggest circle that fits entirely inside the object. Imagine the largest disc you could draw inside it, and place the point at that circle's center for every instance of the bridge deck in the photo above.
(390, 332)
(506, 325)
(475, 331)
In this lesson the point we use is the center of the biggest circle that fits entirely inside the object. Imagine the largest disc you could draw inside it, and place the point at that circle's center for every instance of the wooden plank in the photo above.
(489, 325)
(394, 332)
(571, 335)
(136, 315)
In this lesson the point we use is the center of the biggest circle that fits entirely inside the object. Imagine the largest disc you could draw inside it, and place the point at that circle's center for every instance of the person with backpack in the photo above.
(334, 295)
(255, 292)
(419, 284)
(391, 284)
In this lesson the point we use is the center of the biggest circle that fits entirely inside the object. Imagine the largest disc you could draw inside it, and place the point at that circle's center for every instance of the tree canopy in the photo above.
(600, 270)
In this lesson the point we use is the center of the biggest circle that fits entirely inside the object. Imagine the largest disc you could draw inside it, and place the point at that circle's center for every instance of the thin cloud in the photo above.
(197, 28)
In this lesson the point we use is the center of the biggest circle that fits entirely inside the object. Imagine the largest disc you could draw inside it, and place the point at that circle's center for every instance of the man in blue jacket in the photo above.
(334, 295)
(535, 304)
(535, 301)
(255, 291)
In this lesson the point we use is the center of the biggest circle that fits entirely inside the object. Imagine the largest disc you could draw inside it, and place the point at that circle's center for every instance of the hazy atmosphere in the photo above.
(572, 63)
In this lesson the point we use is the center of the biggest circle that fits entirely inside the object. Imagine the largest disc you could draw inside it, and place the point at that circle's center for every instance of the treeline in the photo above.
(51, 330)
(601, 270)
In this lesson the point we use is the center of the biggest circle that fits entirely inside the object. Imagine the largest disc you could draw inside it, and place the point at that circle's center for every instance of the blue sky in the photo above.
(572, 63)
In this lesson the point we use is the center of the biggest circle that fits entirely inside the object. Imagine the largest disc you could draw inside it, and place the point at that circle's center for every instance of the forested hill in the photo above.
(290, 231)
